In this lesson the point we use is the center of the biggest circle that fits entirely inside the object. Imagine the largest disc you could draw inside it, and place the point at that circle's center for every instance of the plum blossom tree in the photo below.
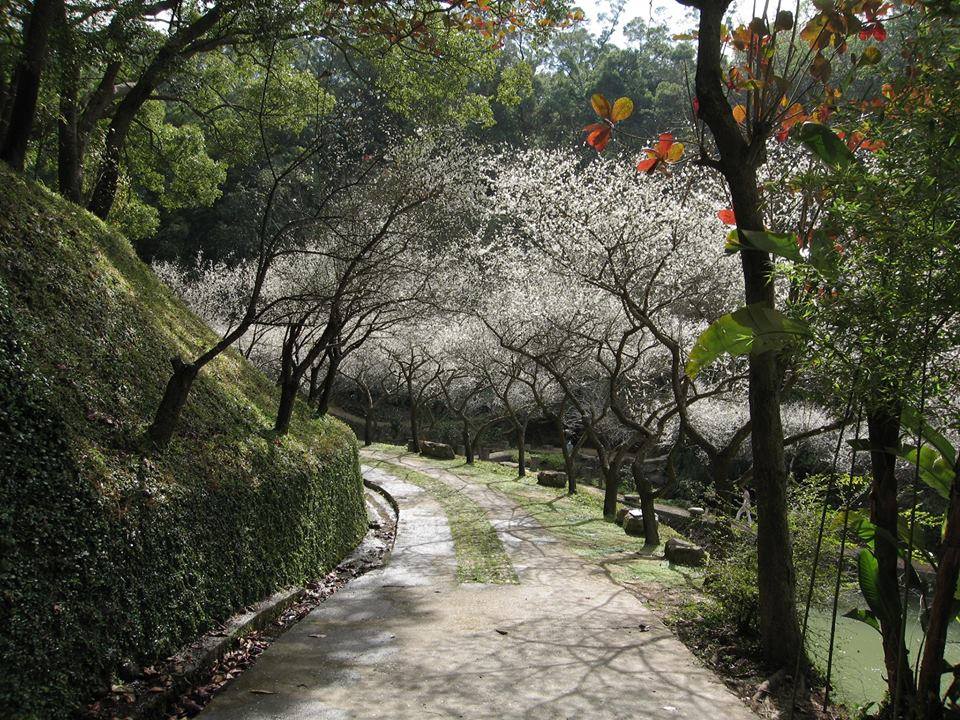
(465, 389)
(370, 370)
(292, 200)
(580, 225)
(408, 347)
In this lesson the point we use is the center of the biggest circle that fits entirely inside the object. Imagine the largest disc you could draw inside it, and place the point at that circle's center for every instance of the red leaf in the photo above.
(696, 107)
(727, 216)
(598, 135)
(648, 165)
(664, 144)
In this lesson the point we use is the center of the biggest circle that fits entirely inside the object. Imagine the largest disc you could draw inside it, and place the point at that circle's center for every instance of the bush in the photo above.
(109, 555)
(730, 583)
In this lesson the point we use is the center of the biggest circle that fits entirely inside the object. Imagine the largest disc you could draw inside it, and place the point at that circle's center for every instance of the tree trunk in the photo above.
(288, 398)
(314, 384)
(171, 404)
(414, 444)
(776, 580)
(779, 627)
(368, 426)
(522, 449)
(289, 382)
(722, 483)
(611, 486)
(883, 423)
(651, 531)
(569, 465)
(326, 387)
(105, 190)
(69, 179)
(26, 85)
(941, 617)
(467, 444)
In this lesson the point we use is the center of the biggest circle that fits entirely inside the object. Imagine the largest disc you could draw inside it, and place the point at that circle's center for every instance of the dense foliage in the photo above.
(111, 556)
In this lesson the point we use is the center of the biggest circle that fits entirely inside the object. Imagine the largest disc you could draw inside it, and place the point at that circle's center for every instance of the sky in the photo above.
(678, 18)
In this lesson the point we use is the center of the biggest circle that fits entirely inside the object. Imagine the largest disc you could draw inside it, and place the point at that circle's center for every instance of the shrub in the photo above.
(108, 554)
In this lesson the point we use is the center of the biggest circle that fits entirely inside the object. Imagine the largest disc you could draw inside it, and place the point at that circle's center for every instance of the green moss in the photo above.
(577, 520)
(109, 555)
(480, 554)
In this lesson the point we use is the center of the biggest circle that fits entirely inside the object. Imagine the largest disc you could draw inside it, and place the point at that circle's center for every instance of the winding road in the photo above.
(407, 641)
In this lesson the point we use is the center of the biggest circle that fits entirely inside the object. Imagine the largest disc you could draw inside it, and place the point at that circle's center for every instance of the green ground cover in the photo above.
(110, 552)
(480, 554)
(576, 520)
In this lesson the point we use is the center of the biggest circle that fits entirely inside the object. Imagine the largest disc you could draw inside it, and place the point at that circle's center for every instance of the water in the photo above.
(858, 672)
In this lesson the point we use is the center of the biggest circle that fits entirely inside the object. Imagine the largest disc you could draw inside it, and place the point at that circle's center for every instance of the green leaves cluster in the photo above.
(752, 329)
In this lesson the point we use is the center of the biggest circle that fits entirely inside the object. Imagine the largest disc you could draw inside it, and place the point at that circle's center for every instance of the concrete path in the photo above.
(406, 642)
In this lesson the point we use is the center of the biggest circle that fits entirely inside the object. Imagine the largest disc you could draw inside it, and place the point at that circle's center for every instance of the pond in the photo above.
(858, 672)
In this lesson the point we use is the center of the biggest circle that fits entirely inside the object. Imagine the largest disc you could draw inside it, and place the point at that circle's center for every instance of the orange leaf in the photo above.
(663, 145)
(598, 135)
(601, 106)
(649, 164)
(794, 115)
(727, 217)
(740, 114)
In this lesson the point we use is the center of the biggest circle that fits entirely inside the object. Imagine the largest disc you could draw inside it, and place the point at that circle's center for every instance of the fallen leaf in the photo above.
(262, 692)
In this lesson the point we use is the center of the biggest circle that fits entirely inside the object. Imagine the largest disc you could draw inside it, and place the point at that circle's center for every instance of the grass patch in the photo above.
(480, 554)
(577, 520)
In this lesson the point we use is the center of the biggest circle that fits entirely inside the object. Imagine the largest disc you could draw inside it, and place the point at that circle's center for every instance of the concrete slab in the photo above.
(406, 641)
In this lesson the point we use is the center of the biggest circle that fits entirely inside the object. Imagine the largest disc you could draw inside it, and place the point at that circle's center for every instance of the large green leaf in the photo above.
(911, 420)
(825, 144)
(782, 245)
(935, 471)
(860, 524)
(864, 616)
(881, 599)
(755, 328)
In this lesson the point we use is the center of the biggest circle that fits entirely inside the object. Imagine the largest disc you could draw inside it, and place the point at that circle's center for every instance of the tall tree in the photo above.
(26, 80)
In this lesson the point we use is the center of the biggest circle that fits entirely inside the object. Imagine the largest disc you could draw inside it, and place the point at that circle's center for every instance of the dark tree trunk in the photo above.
(722, 482)
(26, 84)
(368, 426)
(105, 189)
(522, 449)
(69, 179)
(171, 404)
(883, 424)
(414, 444)
(779, 627)
(941, 617)
(314, 385)
(651, 531)
(569, 462)
(467, 444)
(326, 387)
(570, 467)
(288, 380)
(288, 399)
(611, 486)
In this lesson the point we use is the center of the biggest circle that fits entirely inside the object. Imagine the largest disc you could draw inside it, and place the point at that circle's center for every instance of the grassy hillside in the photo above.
(113, 554)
